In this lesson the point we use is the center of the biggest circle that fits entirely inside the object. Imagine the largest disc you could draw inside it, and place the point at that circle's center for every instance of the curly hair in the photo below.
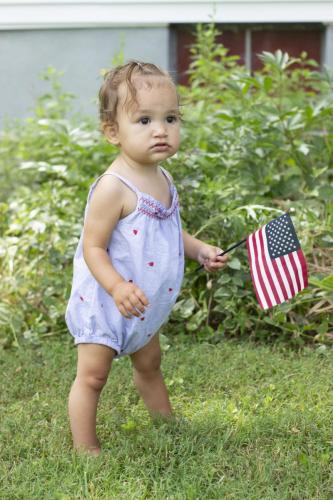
(108, 93)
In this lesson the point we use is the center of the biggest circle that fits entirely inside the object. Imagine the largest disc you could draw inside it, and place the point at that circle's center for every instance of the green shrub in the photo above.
(253, 146)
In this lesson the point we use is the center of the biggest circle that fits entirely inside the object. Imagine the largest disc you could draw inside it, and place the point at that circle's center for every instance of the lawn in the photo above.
(253, 422)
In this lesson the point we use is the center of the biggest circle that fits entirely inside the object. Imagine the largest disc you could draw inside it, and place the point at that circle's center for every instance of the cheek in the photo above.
(176, 136)
(140, 131)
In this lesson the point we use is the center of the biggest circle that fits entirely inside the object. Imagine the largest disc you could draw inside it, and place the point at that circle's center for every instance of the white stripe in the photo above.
(255, 275)
(272, 270)
(283, 276)
(262, 269)
(299, 269)
(291, 272)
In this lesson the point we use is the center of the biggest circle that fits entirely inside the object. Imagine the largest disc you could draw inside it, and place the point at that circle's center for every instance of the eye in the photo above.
(172, 119)
(144, 120)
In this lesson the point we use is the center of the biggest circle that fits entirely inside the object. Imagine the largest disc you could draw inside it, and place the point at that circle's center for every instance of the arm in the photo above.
(191, 246)
(203, 253)
(102, 217)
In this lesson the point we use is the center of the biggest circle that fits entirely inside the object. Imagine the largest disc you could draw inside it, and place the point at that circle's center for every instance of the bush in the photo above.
(253, 146)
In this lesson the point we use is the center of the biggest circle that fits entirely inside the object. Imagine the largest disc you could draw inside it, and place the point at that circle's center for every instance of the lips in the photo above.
(160, 145)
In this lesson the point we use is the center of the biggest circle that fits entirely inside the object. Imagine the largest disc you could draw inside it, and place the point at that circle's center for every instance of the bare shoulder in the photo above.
(111, 195)
(109, 184)
(105, 209)
(108, 189)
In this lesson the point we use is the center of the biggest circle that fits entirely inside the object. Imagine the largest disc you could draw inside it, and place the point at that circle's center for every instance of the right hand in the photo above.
(129, 299)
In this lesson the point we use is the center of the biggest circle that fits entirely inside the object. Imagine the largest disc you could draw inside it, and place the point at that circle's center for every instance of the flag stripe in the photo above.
(253, 269)
(261, 270)
(275, 285)
(280, 280)
(290, 274)
(297, 268)
(258, 280)
(281, 265)
(304, 271)
(269, 282)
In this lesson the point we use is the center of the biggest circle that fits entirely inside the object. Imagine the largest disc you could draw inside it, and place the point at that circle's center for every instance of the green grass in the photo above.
(257, 424)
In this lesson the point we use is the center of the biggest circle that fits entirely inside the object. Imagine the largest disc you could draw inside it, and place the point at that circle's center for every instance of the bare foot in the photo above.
(92, 451)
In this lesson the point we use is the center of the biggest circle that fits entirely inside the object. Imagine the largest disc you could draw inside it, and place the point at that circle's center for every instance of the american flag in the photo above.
(277, 263)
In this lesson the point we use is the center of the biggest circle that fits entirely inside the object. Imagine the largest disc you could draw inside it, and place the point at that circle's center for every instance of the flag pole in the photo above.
(226, 251)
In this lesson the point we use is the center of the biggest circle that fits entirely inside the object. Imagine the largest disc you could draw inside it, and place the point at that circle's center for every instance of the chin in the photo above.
(165, 154)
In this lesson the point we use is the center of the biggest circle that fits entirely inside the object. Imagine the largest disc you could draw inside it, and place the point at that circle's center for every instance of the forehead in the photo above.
(151, 91)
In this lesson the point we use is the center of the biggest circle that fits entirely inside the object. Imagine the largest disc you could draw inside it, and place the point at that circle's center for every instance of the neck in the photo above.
(137, 168)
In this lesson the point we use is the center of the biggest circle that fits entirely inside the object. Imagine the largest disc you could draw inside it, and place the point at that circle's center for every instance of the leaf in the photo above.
(196, 320)
(234, 263)
(129, 426)
(326, 193)
(325, 284)
(268, 83)
(184, 308)
(304, 148)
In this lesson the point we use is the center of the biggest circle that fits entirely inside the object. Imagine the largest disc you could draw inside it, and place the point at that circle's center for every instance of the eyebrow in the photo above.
(139, 111)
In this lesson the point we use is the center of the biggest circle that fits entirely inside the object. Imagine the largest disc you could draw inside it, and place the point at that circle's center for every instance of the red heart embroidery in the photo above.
(135, 231)
(150, 263)
(142, 318)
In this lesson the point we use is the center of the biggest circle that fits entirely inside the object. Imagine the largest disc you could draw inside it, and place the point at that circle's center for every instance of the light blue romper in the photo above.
(146, 248)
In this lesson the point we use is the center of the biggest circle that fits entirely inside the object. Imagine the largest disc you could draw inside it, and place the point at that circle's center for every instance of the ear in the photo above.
(110, 131)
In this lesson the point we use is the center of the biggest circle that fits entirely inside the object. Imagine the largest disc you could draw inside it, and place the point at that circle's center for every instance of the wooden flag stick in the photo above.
(225, 251)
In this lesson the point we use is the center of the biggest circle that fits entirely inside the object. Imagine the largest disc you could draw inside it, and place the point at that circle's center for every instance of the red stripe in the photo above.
(259, 267)
(288, 276)
(278, 276)
(304, 267)
(294, 266)
(268, 273)
(248, 245)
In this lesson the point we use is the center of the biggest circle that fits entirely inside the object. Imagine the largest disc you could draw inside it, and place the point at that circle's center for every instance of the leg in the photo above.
(94, 363)
(149, 379)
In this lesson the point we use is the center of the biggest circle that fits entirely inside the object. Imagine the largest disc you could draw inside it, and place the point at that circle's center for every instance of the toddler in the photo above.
(129, 263)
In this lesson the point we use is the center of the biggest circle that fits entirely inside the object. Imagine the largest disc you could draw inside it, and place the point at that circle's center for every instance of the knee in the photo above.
(94, 380)
(149, 366)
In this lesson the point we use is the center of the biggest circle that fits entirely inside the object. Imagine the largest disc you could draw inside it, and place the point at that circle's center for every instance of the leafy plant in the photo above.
(253, 146)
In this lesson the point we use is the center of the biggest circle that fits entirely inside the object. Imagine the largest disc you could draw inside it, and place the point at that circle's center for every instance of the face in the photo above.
(148, 132)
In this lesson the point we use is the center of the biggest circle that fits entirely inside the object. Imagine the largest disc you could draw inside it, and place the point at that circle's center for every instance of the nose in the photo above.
(160, 130)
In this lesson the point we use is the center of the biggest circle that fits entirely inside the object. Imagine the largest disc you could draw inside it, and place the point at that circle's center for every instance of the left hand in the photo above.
(208, 257)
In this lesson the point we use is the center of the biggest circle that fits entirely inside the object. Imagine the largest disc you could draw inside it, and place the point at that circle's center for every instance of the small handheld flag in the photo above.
(277, 263)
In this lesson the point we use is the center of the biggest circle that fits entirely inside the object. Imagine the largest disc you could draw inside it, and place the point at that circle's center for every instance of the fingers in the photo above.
(123, 311)
(141, 296)
(132, 307)
(216, 263)
(134, 304)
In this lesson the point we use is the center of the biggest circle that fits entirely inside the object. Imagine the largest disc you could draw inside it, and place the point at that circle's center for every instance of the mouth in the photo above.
(160, 146)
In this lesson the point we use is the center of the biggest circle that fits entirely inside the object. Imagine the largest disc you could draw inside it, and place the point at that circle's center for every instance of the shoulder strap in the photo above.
(129, 183)
(167, 175)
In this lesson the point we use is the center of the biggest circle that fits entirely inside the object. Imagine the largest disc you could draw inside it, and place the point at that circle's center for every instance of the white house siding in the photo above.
(50, 13)
(81, 36)
(80, 53)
